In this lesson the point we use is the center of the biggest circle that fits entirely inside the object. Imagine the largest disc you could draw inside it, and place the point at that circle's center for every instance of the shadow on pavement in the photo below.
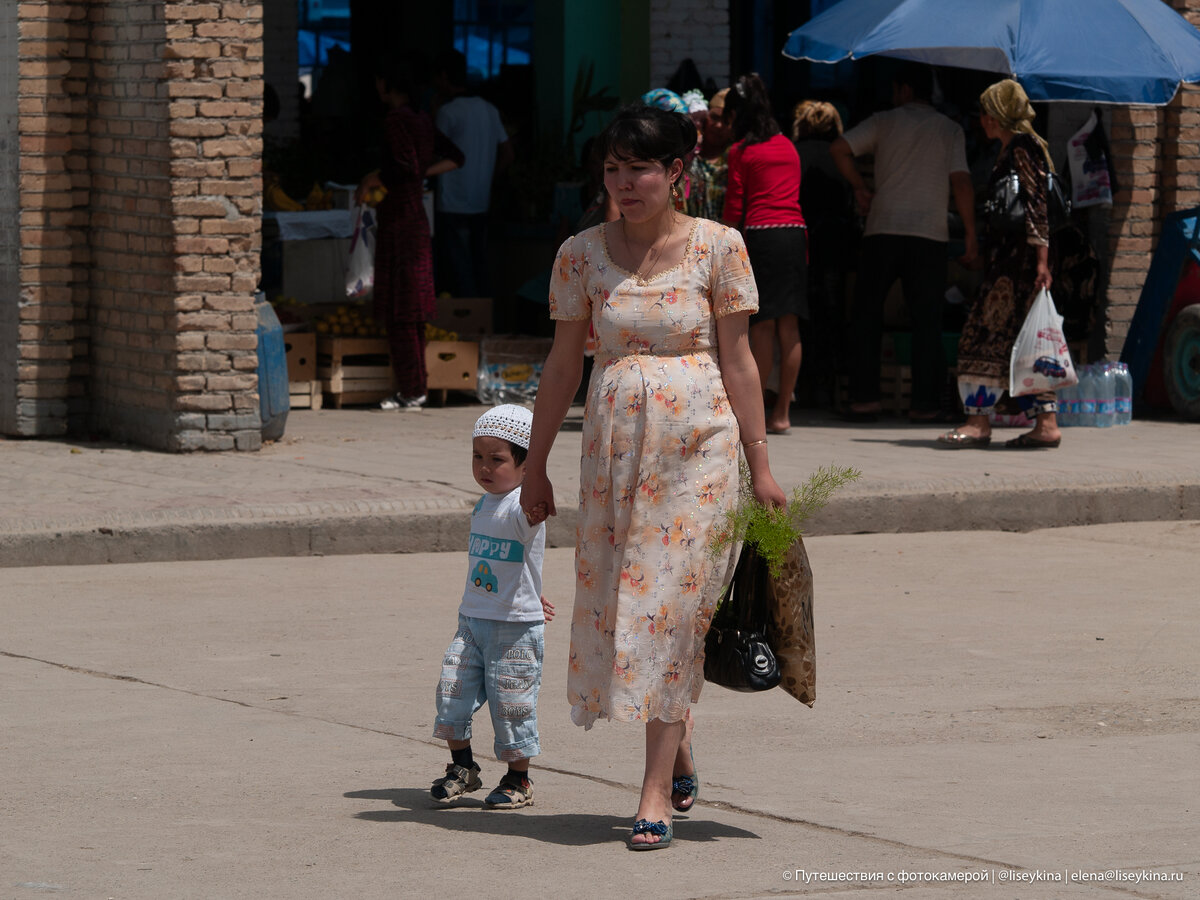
(569, 829)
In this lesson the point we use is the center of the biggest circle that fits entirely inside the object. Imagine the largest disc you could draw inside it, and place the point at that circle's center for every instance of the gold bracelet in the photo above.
(753, 443)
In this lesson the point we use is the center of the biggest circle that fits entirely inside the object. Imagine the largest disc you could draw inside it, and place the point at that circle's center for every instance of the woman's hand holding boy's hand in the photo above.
(537, 515)
(537, 497)
(547, 609)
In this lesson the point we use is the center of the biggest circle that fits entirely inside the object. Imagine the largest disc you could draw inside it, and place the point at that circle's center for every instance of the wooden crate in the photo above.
(301, 350)
(452, 365)
(354, 370)
(305, 394)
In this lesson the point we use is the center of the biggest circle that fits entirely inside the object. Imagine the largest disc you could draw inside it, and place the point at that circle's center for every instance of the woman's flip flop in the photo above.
(956, 438)
(1025, 442)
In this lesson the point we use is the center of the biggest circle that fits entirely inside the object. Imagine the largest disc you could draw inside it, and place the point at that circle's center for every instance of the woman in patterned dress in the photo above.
(673, 391)
(1018, 265)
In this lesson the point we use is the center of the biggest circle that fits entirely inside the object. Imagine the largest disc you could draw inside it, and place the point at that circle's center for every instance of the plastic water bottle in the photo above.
(1106, 395)
(1068, 406)
(1087, 396)
(1124, 394)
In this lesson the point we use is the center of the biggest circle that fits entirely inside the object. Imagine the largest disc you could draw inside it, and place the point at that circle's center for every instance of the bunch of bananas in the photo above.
(349, 321)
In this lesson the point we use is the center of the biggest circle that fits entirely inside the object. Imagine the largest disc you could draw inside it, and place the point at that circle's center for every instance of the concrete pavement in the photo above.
(363, 481)
(996, 706)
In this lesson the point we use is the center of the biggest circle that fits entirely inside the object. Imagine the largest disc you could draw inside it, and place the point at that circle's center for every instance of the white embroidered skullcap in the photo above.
(509, 421)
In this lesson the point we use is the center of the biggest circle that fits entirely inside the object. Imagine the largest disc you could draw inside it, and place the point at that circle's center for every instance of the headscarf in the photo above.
(694, 101)
(665, 99)
(1007, 103)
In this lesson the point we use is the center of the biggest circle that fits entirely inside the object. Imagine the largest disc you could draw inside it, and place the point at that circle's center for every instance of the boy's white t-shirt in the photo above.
(504, 577)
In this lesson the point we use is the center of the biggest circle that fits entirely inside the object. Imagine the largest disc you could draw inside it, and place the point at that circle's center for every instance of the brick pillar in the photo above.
(213, 78)
(10, 235)
(53, 199)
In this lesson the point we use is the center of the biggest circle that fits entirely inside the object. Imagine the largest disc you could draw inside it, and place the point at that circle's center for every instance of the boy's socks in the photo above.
(522, 776)
(463, 757)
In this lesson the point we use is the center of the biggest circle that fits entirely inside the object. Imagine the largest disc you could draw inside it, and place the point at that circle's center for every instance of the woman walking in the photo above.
(1018, 265)
(673, 395)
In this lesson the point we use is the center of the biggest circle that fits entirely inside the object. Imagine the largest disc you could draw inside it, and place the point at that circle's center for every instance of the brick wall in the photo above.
(140, 195)
(689, 29)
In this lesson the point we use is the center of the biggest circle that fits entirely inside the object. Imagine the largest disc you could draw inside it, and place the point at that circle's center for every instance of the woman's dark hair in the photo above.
(647, 132)
(750, 107)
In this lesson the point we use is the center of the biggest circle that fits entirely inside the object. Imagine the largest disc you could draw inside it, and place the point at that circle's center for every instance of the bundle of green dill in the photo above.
(772, 530)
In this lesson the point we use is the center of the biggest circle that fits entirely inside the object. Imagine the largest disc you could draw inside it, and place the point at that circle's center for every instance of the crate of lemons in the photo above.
(355, 320)
(349, 320)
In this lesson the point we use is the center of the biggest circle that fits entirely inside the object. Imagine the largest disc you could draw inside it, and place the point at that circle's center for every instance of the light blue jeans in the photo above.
(498, 663)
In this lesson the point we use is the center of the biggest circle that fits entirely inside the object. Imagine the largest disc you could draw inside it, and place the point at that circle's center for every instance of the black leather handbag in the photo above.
(1005, 210)
(736, 652)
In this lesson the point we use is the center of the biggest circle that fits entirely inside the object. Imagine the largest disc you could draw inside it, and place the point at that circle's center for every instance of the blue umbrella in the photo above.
(1097, 51)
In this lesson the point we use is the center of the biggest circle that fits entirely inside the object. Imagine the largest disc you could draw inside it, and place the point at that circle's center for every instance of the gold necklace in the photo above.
(637, 276)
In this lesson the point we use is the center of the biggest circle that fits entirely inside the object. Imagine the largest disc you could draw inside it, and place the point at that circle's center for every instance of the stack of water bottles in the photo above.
(1102, 398)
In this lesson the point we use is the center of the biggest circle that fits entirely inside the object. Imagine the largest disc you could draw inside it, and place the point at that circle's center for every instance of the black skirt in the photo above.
(779, 257)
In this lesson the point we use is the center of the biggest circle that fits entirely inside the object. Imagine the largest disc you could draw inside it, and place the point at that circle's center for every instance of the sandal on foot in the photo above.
(1025, 442)
(457, 781)
(511, 793)
(645, 826)
(956, 438)
(686, 785)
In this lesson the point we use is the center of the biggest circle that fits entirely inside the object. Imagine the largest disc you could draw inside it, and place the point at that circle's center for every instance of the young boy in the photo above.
(496, 654)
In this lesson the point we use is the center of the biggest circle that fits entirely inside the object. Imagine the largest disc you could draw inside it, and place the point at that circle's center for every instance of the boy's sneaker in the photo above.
(457, 781)
(513, 792)
(403, 403)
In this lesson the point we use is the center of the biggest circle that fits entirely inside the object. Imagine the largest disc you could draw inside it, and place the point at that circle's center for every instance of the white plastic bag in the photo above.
(1040, 358)
(360, 268)
(1090, 182)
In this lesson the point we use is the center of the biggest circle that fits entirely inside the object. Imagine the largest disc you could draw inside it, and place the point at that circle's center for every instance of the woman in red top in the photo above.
(763, 200)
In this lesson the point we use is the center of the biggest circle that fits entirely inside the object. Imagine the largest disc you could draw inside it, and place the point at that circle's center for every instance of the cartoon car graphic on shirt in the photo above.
(1048, 365)
(482, 577)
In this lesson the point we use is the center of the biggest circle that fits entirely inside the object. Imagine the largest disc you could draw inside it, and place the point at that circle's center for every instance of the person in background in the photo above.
(463, 196)
(666, 99)
(404, 300)
(709, 167)
(920, 161)
(762, 199)
(828, 205)
(1018, 265)
(673, 402)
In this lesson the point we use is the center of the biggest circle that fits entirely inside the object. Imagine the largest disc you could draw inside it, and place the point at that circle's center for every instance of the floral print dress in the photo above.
(659, 470)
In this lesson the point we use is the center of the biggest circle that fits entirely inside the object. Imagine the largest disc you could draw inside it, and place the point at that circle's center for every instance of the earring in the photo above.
(674, 190)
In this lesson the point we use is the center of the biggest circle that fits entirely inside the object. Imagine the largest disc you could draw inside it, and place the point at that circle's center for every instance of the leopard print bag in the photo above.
(790, 625)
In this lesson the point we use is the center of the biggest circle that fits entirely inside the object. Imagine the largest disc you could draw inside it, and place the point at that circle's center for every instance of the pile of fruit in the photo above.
(349, 320)
(277, 199)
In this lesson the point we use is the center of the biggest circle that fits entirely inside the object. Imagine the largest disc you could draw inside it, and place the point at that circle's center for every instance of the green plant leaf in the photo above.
(772, 530)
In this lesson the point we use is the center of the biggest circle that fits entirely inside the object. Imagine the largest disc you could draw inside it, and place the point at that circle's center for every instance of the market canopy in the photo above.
(1094, 51)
